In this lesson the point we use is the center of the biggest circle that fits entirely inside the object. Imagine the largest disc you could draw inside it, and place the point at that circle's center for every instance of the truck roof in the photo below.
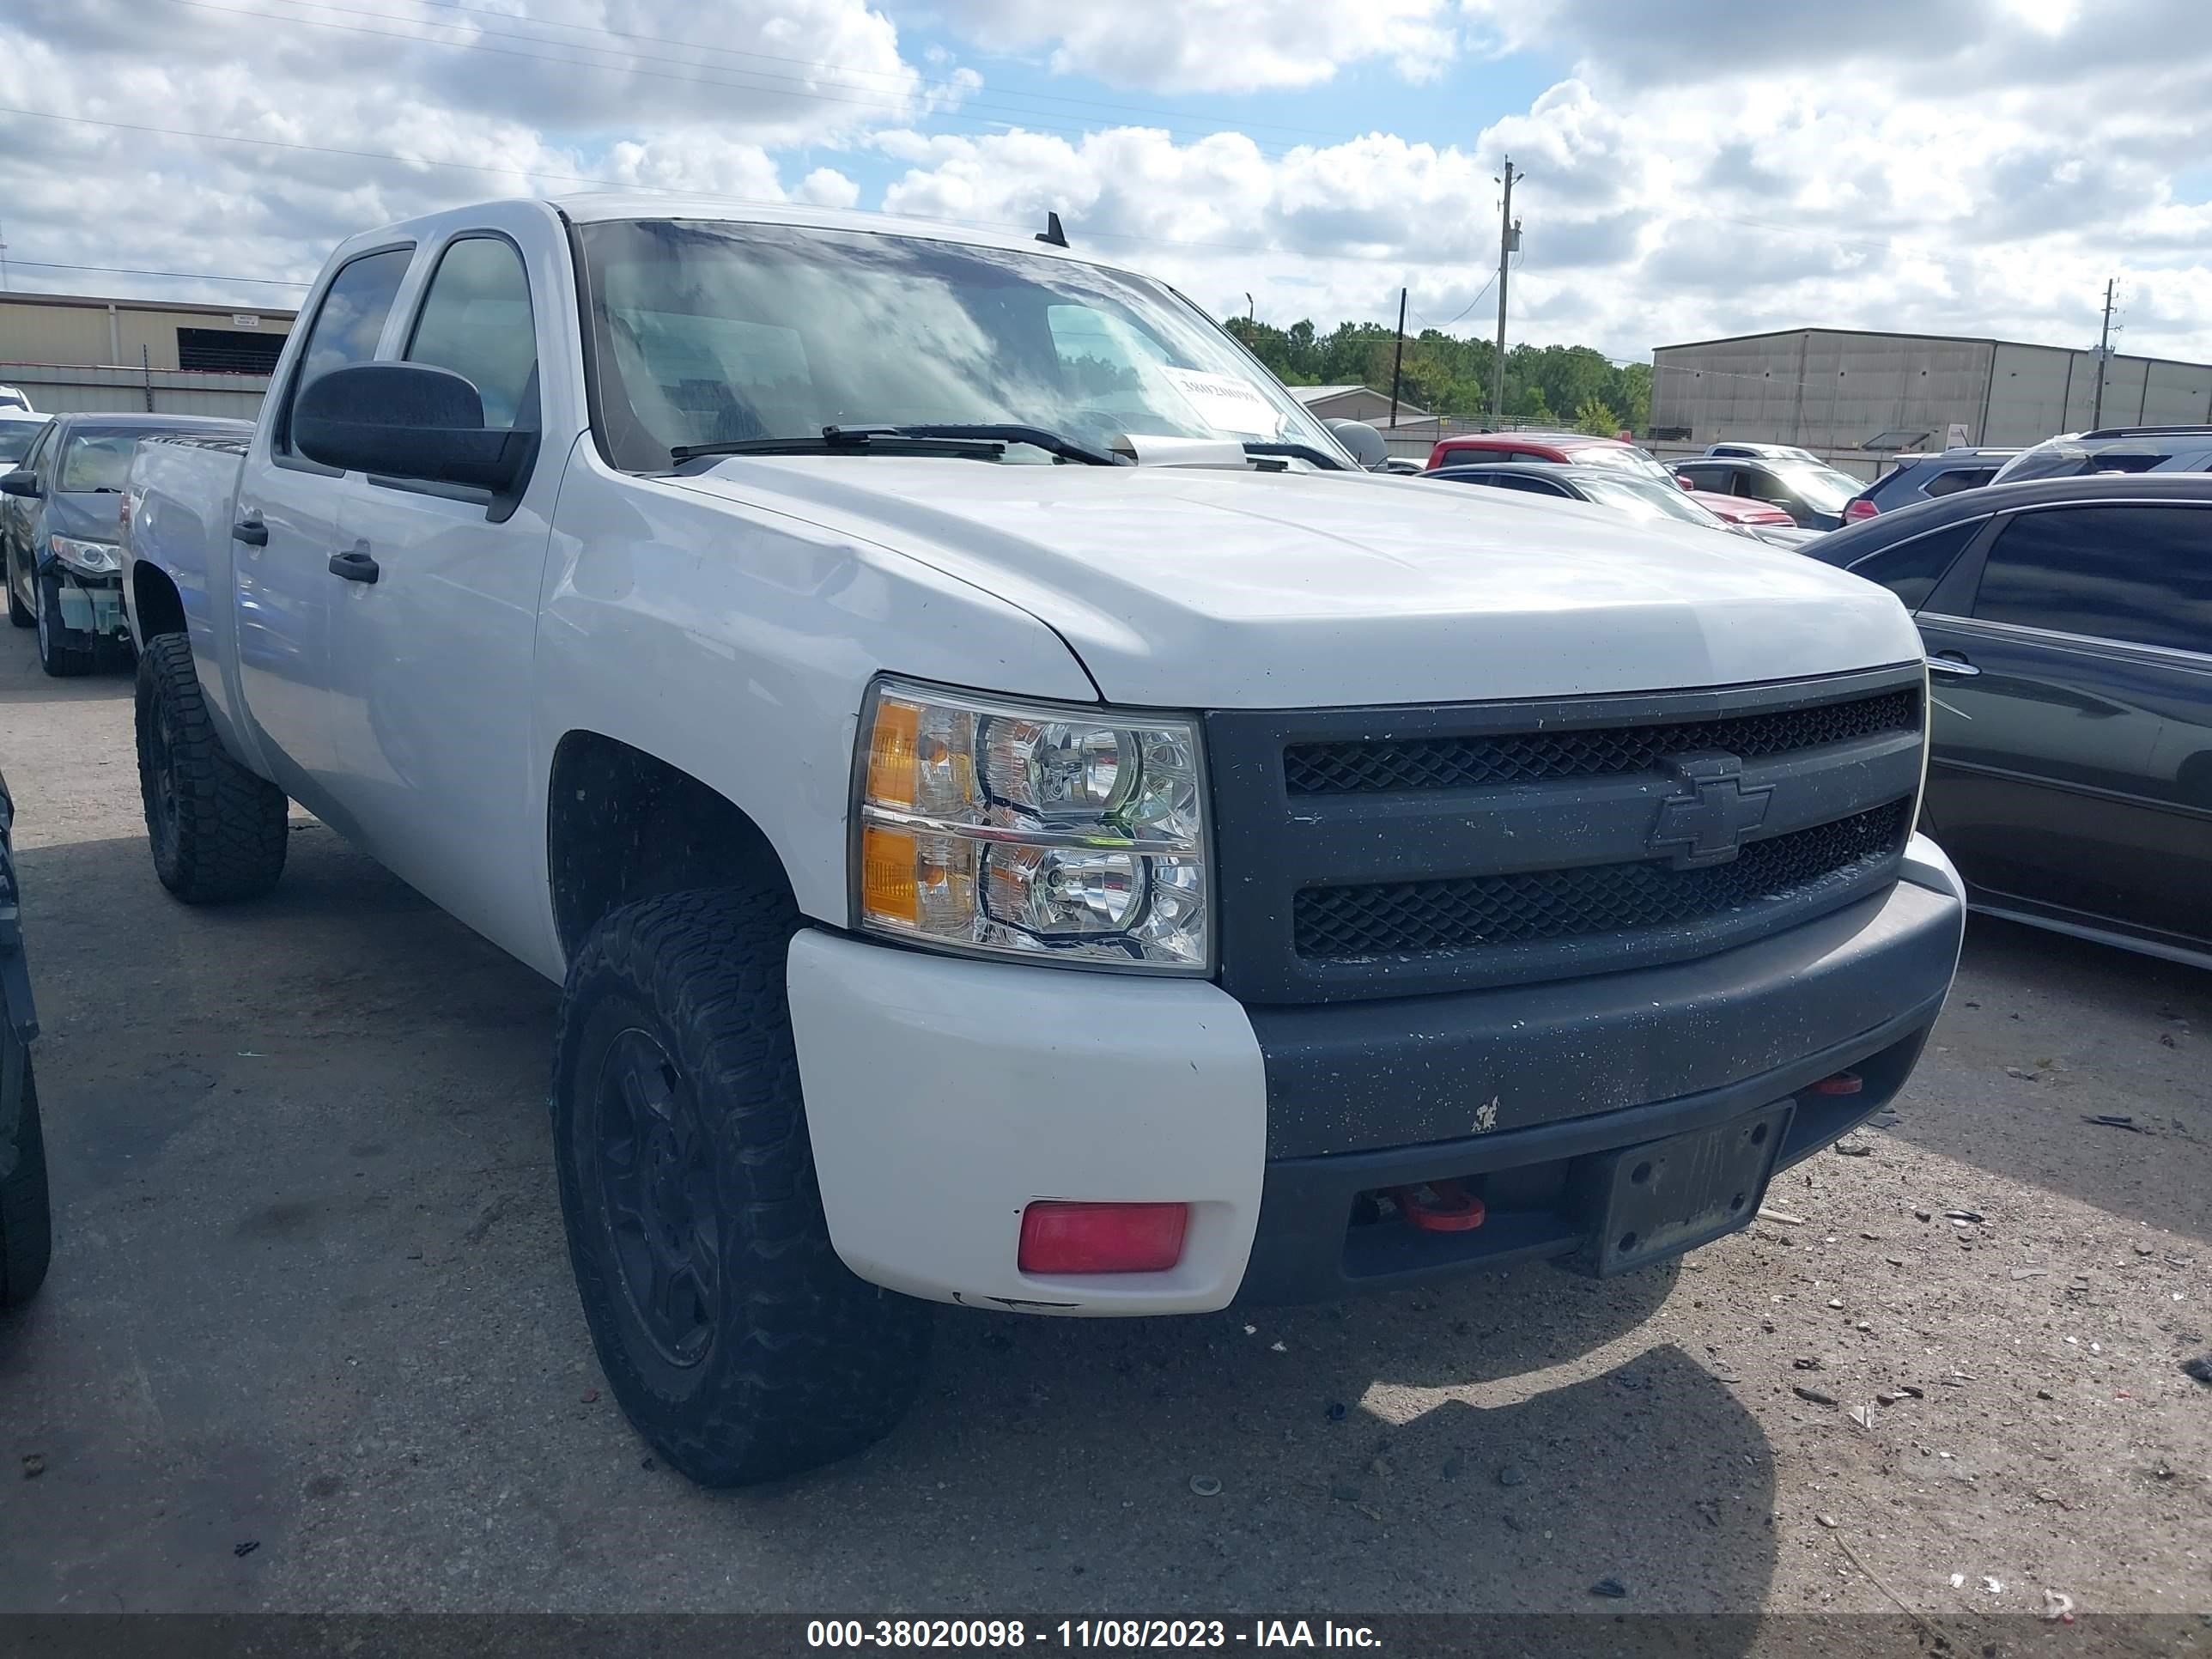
(598, 207)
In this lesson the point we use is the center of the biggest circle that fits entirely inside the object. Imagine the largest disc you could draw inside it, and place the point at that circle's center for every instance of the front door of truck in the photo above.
(434, 617)
(288, 523)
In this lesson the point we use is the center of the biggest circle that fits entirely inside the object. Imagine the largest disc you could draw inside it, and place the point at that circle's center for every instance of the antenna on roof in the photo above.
(1052, 233)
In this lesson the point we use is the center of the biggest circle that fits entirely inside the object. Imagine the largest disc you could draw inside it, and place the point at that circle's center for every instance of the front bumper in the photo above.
(944, 1096)
(89, 604)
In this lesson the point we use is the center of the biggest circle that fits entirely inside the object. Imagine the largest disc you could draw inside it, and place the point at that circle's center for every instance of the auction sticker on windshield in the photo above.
(1224, 403)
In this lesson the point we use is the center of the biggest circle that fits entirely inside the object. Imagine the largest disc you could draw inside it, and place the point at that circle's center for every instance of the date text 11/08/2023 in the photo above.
(987, 1634)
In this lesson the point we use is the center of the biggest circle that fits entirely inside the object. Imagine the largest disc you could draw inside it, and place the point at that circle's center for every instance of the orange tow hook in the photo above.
(1454, 1210)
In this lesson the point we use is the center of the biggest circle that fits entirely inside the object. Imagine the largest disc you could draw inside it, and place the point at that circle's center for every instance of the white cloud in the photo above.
(1215, 45)
(827, 187)
(471, 106)
(1834, 185)
(1697, 170)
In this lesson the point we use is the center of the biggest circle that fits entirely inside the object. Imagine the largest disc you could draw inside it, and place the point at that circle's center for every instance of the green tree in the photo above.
(1452, 375)
(1595, 418)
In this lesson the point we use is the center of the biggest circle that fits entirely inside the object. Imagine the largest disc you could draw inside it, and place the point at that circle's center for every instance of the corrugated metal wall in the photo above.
(95, 354)
(1826, 389)
(56, 390)
(33, 330)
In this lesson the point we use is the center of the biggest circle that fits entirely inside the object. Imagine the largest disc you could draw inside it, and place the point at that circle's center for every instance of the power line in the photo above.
(1475, 302)
(138, 270)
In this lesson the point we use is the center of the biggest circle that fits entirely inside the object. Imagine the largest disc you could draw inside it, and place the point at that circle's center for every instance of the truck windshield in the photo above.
(708, 333)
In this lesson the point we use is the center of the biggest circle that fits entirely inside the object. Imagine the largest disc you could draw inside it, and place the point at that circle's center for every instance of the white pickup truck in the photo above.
(1019, 818)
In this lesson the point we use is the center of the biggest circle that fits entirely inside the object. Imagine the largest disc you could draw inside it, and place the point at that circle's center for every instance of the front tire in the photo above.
(219, 833)
(59, 653)
(26, 1225)
(739, 1345)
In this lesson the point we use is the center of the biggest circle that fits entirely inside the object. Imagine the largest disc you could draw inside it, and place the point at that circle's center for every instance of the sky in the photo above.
(1699, 168)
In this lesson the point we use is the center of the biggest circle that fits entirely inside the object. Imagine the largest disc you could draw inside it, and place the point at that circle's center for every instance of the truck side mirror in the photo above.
(1365, 442)
(21, 481)
(406, 421)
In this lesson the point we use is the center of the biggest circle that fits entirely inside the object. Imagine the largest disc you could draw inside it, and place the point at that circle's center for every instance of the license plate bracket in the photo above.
(1657, 1200)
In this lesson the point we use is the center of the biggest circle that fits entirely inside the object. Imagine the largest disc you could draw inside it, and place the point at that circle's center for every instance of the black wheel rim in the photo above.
(160, 781)
(656, 1180)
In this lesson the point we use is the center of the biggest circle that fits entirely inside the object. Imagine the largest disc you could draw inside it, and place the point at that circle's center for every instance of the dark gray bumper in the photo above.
(1504, 1089)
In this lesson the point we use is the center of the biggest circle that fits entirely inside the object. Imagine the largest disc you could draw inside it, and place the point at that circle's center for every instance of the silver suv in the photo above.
(2113, 449)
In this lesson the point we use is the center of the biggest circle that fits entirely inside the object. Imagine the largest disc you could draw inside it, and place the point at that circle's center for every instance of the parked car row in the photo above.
(61, 503)
(1753, 488)
(1632, 494)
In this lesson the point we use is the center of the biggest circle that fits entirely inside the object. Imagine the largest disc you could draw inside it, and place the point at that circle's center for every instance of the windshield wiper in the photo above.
(987, 441)
(1296, 451)
(1002, 432)
(843, 440)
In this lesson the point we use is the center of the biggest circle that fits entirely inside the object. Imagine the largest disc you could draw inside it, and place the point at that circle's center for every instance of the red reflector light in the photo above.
(1843, 1083)
(1103, 1238)
(1861, 510)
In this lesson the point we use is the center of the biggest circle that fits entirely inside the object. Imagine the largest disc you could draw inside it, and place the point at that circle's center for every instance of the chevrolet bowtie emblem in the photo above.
(1707, 820)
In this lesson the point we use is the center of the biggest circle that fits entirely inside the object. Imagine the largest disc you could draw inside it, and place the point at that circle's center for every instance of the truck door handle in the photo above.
(1953, 665)
(353, 565)
(251, 532)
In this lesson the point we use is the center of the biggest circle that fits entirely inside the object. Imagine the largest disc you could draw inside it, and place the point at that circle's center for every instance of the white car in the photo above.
(1019, 818)
(1752, 452)
(18, 431)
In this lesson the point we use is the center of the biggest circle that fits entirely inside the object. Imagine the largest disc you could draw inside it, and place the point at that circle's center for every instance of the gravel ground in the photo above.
(309, 1295)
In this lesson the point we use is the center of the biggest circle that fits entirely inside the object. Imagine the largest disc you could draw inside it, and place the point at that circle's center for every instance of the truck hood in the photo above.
(1184, 588)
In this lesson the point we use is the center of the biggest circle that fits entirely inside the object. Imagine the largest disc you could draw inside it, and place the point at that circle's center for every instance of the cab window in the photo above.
(476, 320)
(347, 323)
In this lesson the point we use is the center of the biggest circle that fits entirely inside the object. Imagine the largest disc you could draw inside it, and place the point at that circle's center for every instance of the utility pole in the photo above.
(1398, 367)
(1509, 240)
(2103, 357)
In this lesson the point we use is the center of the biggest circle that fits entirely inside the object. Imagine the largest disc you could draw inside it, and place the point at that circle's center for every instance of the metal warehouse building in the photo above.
(72, 352)
(1839, 389)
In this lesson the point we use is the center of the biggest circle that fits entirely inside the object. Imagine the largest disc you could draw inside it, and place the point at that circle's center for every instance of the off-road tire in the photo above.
(57, 655)
(218, 832)
(803, 1362)
(18, 613)
(26, 1227)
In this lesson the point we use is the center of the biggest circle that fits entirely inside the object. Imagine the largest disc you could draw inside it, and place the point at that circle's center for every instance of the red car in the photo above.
(1566, 448)
(1740, 510)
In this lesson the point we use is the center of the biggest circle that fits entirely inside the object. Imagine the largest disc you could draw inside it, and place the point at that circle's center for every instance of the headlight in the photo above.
(93, 558)
(1046, 832)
